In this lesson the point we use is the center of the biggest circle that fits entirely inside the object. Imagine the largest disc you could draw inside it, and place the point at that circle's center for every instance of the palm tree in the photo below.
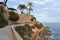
(22, 7)
(30, 7)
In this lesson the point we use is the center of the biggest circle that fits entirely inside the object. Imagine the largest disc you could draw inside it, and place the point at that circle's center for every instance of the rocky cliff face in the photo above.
(41, 34)
(33, 32)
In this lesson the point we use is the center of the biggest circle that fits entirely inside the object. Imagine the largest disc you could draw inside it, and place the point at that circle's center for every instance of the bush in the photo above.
(13, 16)
(19, 29)
(3, 21)
(33, 19)
(27, 38)
(28, 28)
(39, 26)
(24, 30)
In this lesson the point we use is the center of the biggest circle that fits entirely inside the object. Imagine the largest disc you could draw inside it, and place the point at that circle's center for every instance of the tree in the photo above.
(5, 1)
(13, 16)
(3, 21)
(30, 7)
(22, 7)
(33, 19)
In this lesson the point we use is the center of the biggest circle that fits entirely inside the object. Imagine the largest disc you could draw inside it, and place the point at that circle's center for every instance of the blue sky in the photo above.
(43, 10)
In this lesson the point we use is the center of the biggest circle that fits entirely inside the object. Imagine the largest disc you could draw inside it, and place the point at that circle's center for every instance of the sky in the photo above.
(44, 10)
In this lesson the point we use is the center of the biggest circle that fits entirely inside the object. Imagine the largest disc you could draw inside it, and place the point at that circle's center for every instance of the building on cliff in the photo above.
(4, 10)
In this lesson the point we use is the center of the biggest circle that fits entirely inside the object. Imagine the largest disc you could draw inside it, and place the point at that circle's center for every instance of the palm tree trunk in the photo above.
(29, 12)
(22, 11)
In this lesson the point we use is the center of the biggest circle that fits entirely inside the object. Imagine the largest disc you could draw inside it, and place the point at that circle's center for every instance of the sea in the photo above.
(55, 28)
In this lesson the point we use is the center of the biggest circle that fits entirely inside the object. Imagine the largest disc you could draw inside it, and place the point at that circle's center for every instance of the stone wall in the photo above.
(16, 35)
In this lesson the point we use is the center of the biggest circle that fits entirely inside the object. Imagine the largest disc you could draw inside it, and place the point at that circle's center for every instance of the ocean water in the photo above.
(55, 28)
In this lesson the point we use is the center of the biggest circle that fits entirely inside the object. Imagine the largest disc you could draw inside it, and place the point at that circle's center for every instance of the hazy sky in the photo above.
(43, 10)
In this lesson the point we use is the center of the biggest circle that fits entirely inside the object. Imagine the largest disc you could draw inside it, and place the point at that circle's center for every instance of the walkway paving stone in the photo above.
(5, 33)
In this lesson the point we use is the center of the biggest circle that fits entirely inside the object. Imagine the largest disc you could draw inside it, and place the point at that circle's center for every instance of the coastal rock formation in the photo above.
(33, 32)
(41, 34)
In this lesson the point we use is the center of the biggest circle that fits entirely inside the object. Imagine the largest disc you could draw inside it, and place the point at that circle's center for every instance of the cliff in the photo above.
(41, 34)
(28, 32)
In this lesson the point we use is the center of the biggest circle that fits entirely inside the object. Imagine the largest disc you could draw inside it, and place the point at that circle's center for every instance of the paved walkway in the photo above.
(5, 33)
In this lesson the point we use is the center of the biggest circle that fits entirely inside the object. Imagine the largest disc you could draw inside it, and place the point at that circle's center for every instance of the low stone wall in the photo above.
(16, 35)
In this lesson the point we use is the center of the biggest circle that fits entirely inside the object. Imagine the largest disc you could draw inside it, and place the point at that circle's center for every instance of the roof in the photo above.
(11, 9)
(2, 3)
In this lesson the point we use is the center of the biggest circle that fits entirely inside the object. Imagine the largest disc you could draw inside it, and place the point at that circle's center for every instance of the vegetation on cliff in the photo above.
(13, 16)
(26, 31)
(3, 21)
(38, 25)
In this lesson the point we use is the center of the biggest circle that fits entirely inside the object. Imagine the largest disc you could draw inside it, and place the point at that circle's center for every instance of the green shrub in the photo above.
(33, 19)
(27, 38)
(13, 16)
(19, 29)
(39, 26)
(28, 28)
(24, 30)
(3, 21)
